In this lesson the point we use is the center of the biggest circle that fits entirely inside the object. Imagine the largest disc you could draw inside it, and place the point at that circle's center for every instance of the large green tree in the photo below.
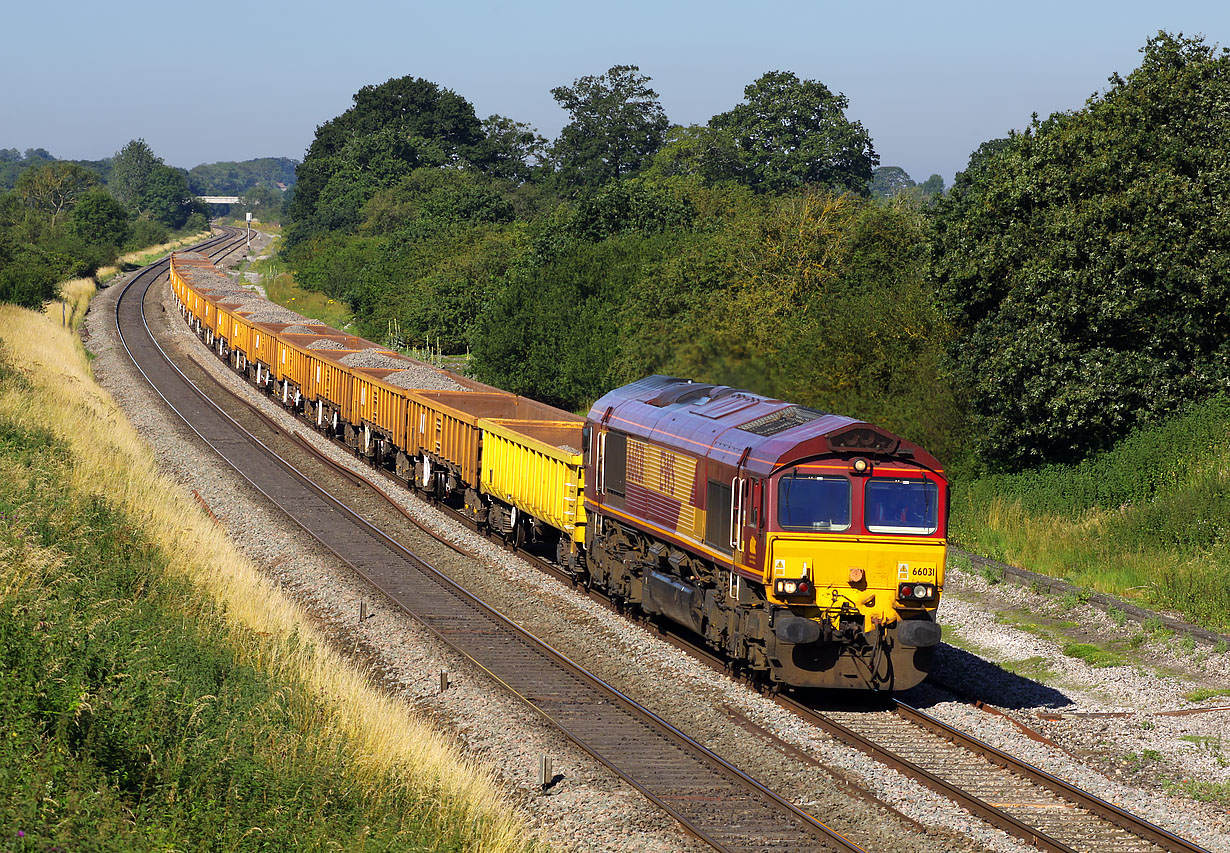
(55, 188)
(130, 171)
(166, 197)
(99, 220)
(793, 133)
(616, 124)
(1086, 261)
(391, 130)
(516, 150)
(700, 152)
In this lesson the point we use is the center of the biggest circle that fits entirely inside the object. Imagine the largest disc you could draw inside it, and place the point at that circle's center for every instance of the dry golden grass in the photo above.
(111, 460)
(141, 257)
(69, 309)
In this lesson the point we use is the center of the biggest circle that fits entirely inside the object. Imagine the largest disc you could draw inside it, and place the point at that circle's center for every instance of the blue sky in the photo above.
(930, 81)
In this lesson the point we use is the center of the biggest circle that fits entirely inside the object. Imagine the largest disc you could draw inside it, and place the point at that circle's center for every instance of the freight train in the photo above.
(808, 548)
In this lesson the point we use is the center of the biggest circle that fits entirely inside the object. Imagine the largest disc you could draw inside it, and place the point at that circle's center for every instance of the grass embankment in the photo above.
(155, 691)
(1148, 520)
(69, 310)
(280, 287)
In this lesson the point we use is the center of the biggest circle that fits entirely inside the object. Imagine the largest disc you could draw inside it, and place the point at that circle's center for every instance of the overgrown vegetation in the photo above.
(1084, 263)
(157, 693)
(1147, 518)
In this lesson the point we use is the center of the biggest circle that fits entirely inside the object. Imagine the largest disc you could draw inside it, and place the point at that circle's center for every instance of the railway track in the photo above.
(710, 798)
(1003, 790)
(998, 788)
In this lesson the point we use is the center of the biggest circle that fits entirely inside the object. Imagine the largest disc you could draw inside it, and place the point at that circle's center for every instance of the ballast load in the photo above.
(807, 547)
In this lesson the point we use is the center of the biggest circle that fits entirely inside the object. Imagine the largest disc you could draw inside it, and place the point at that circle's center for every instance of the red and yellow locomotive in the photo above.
(806, 546)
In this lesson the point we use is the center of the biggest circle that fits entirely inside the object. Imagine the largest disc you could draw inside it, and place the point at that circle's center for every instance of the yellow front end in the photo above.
(853, 573)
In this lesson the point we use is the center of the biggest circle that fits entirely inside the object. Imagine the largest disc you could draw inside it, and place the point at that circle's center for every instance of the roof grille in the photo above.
(781, 420)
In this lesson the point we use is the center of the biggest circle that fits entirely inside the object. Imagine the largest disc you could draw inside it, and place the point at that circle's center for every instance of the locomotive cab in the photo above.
(854, 571)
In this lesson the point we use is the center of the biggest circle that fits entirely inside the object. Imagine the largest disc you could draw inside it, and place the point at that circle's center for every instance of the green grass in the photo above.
(1093, 655)
(1206, 693)
(1033, 668)
(1148, 520)
(1217, 793)
(128, 718)
(283, 290)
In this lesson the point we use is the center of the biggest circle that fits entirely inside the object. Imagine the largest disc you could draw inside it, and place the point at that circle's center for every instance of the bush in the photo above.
(147, 232)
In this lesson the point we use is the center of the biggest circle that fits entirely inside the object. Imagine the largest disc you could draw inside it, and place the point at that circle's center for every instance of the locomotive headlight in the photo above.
(790, 587)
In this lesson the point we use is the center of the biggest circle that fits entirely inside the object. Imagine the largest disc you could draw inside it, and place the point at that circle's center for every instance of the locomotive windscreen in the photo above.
(902, 506)
(813, 503)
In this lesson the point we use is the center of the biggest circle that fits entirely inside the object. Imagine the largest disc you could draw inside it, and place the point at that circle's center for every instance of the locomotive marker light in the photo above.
(916, 592)
(860, 467)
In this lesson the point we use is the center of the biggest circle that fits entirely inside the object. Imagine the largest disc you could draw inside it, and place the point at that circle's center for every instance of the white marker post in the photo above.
(249, 229)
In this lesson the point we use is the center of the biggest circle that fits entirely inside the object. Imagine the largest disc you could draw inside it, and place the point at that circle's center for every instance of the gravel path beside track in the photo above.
(589, 810)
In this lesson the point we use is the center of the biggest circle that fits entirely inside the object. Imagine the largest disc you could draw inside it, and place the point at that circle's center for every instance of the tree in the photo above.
(166, 197)
(516, 150)
(616, 126)
(99, 220)
(391, 130)
(933, 186)
(1086, 262)
(698, 151)
(130, 171)
(793, 133)
(30, 276)
(889, 181)
(55, 187)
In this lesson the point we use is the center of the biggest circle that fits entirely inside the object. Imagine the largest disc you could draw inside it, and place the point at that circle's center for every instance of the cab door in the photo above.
(748, 522)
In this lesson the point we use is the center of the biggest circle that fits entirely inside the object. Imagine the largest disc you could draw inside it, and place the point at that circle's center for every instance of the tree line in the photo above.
(1069, 288)
(63, 219)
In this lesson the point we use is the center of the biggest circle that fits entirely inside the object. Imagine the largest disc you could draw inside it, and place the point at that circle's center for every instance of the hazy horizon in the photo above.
(929, 84)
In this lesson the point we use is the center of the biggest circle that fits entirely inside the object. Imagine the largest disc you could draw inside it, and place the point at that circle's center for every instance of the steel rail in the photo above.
(304, 502)
(983, 810)
(1107, 811)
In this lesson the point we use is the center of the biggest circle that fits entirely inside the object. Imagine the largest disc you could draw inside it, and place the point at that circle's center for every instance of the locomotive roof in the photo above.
(731, 425)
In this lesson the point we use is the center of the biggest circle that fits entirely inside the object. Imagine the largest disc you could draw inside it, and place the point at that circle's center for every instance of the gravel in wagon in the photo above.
(326, 343)
(375, 357)
(422, 377)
